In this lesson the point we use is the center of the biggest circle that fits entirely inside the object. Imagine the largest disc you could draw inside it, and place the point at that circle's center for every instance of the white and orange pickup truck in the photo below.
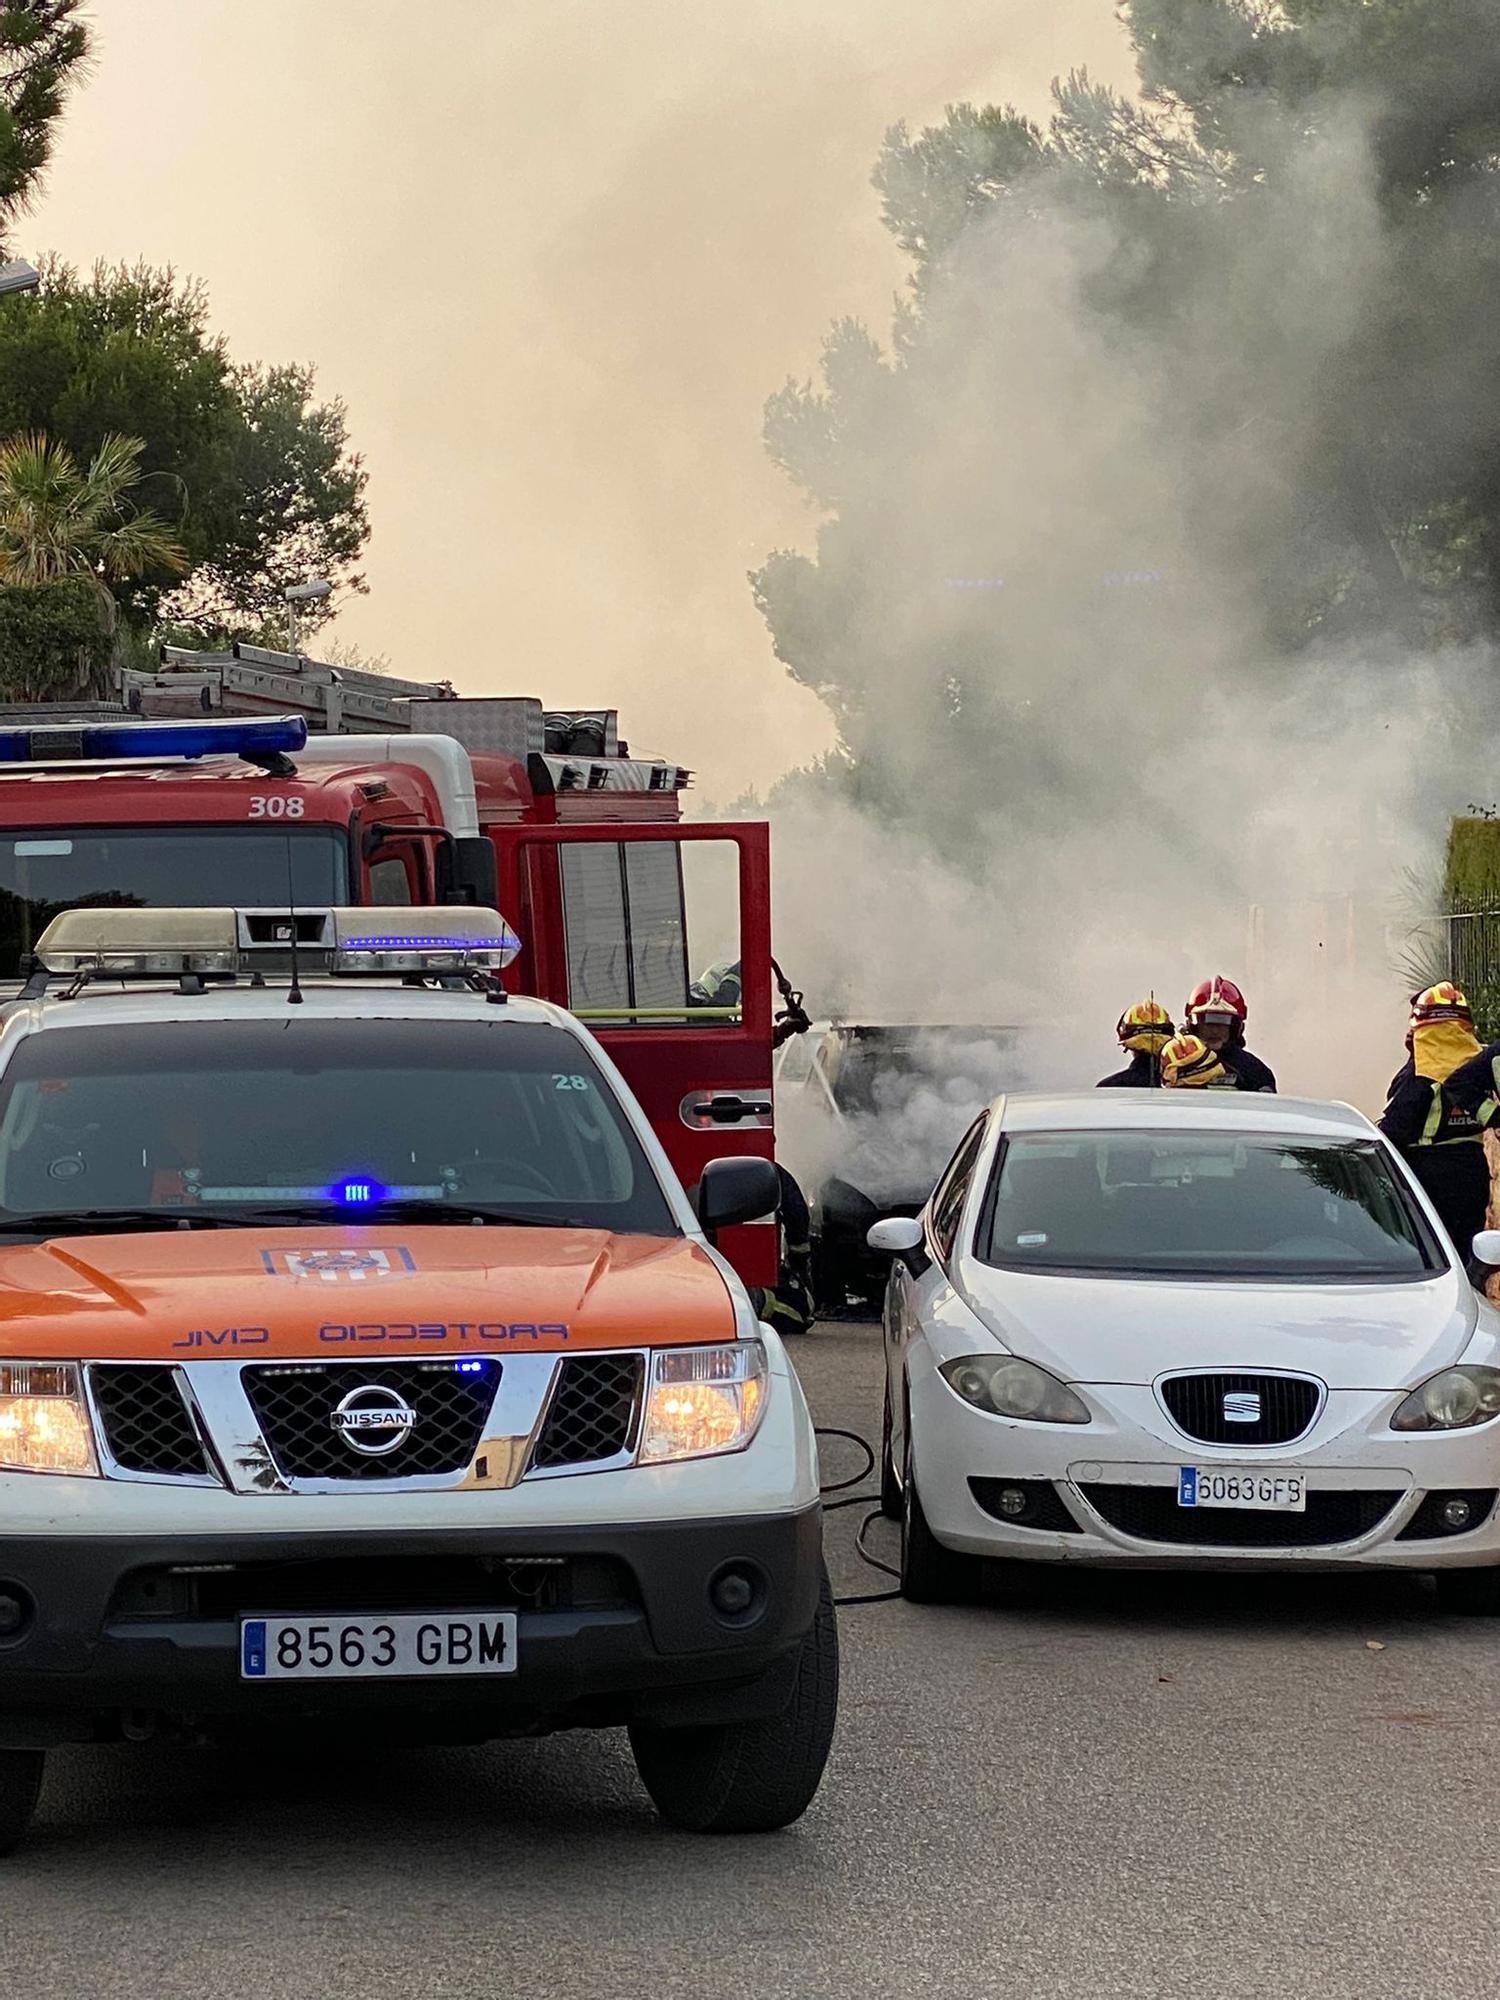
(362, 1363)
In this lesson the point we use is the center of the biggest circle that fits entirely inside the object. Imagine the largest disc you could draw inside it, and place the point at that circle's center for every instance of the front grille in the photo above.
(1283, 1406)
(1428, 1525)
(295, 1406)
(593, 1411)
(1043, 1509)
(376, 1584)
(146, 1423)
(1151, 1514)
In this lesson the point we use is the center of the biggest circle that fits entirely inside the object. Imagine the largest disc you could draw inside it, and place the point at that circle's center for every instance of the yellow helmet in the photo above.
(1188, 1064)
(1443, 1002)
(1146, 1026)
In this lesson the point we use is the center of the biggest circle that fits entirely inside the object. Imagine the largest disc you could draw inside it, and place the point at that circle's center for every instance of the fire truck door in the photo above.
(659, 938)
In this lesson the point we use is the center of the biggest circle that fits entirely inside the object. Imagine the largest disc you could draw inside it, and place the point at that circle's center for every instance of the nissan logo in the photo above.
(373, 1420)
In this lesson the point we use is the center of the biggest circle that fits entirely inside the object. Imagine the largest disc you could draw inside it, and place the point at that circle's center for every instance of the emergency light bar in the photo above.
(155, 944)
(57, 744)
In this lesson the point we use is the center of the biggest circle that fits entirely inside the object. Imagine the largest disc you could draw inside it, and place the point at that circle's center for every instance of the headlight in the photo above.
(1003, 1386)
(1452, 1401)
(44, 1426)
(703, 1400)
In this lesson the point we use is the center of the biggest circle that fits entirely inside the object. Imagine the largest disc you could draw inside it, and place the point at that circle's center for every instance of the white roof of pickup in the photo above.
(1183, 1111)
(111, 1004)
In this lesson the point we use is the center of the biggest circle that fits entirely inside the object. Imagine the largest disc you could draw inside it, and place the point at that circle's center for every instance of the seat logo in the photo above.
(373, 1420)
(1241, 1406)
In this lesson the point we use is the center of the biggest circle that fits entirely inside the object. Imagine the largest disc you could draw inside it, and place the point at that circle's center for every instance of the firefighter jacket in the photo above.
(1143, 1072)
(1248, 1071)
(1423, 1113)
(1475, 1085)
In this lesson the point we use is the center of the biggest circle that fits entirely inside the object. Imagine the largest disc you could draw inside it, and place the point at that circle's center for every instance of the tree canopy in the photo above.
(252, 475)
(1186, 387)
(43, 49)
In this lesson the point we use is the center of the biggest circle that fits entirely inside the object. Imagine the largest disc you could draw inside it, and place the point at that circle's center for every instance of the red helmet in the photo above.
(1216, 996)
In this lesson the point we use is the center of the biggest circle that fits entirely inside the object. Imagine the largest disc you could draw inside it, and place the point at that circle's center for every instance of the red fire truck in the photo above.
(267, 780)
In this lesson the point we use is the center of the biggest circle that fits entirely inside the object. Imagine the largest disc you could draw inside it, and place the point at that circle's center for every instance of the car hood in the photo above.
(1133, 1330)
(248, 1293)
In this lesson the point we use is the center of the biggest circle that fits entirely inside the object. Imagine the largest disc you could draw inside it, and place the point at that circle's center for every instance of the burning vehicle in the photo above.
(869, 1113)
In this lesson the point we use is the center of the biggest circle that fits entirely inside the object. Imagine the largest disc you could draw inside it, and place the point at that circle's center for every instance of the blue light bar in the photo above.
(226, 737)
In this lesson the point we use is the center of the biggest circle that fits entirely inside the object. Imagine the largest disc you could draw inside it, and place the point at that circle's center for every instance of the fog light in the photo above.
(15, 1613)
(1456, 1514)
(1012, 1502)
(732, 1593)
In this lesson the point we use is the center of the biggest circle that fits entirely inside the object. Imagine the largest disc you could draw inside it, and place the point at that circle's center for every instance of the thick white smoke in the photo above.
(1103, 775)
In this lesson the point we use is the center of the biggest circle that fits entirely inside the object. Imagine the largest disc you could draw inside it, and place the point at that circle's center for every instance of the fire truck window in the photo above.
(652, 931)
(593, 883)
(147, 867)
(658, 939)
(389, 881)
(711, 896)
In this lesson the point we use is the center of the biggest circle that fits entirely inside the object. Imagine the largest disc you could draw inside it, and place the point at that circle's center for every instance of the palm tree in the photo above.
(57, 522)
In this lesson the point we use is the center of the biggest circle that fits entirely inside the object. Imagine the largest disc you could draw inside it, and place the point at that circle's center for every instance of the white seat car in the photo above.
(1161, 1329)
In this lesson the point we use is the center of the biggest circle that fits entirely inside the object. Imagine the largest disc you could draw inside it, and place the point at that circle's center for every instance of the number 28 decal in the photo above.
(276, 807)
(561, 1082)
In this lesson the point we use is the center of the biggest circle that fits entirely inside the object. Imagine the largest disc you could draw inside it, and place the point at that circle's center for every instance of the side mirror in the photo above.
(472, 873)
(900, 1236)
(1487, 1249)
(741, 1189)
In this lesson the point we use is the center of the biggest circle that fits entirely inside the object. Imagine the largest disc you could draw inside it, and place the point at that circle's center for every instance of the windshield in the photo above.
(136, 867)
(202, 1118)
(1201, 1204)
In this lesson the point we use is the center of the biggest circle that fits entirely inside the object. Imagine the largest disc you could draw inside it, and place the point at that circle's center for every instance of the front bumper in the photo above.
(615, 1625)
(1116, 1480)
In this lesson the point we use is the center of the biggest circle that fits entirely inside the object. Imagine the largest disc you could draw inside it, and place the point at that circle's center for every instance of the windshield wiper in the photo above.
(103, 1221)
(414, 1209)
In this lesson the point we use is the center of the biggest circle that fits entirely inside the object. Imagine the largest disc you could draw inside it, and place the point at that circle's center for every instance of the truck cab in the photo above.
(173, 798)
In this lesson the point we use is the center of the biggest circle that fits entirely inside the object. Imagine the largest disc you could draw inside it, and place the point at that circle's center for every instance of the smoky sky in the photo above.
(554, 256)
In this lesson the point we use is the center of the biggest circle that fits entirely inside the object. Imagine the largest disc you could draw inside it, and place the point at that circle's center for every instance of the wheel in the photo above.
(20, 1783)
(930, 1572)
(890, 1485)
(750, 1777)
(1469, 1593)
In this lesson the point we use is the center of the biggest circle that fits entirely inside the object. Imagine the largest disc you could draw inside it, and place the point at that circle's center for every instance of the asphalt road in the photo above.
(1106, 1787)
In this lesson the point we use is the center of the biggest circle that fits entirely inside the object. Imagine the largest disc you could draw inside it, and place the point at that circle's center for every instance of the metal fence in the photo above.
(1473, 954)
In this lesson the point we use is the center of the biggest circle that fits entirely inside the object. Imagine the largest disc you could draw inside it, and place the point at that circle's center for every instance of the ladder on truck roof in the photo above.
(252, 680)
(572, 751)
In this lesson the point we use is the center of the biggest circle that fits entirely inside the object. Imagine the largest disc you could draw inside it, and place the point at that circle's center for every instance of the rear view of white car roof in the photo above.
(1182, 1110)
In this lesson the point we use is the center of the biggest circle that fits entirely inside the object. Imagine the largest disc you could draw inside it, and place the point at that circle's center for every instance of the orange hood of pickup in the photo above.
(191, 1295)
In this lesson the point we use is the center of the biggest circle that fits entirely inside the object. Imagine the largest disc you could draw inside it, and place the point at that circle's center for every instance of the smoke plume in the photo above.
(1136, 676)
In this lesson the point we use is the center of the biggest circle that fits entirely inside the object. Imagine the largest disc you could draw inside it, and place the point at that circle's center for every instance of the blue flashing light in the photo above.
(358, 1193)
(226, 737)
(468, 1367)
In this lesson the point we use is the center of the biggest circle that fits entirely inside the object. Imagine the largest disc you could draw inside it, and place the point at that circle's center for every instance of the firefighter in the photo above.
(1144, 1029)
(790, 1307)
(1188, 1063)
(1439, 1105)
(1216, 1014)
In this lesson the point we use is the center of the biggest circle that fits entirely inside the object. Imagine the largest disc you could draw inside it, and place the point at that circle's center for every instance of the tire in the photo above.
(20, 1784)
(1469, 1593)
(750, 1777)
(930, 1572)
(890, 1485)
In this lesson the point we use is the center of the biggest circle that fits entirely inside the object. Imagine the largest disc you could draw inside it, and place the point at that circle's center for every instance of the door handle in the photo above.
(704, 1110)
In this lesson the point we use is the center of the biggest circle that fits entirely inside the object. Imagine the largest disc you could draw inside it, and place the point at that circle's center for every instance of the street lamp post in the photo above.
(19, 276)
(316, 592)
